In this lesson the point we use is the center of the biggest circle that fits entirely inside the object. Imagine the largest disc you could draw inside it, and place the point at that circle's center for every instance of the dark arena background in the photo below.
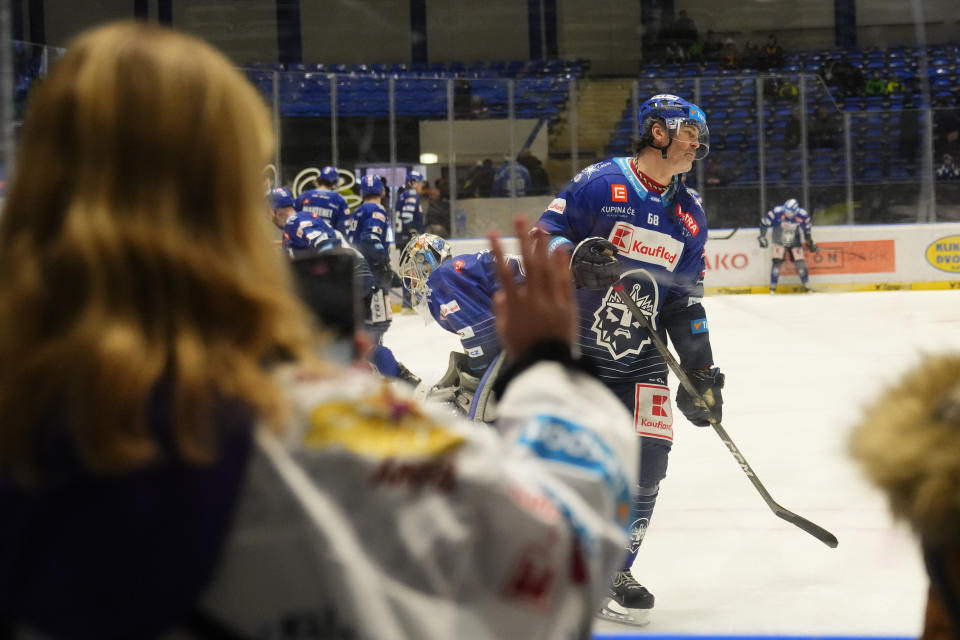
(850, 107)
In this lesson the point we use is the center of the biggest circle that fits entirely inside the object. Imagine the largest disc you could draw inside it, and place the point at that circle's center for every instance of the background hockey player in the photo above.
(512, 178)
(409, 210)
(409, 216)
(634, 217)
(457, 292)
(303, 232)
(788, 221)
(306, 235)
(325, 202)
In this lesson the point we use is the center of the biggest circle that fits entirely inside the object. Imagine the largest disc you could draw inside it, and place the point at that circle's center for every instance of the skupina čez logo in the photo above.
(944, 254)
(615, 327)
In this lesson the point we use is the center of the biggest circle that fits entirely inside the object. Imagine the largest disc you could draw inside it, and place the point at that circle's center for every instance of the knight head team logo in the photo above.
(615, 327)
(638, 529)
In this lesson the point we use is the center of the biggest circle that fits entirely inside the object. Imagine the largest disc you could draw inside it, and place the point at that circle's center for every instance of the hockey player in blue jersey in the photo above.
(457, 292)
(512, 178)
(788, 220)
(409, 216)
(633, 217)
(302, 231)
(326, 203)
(306, 235)
(410, 210)
(371, 237)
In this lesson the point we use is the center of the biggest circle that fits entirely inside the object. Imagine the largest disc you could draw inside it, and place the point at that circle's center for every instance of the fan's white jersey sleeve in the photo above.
(376, 517)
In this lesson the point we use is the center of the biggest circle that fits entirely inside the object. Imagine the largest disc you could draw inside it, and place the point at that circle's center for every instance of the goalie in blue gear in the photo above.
(457, 292)
(788, 221)
(633, 218)
(326, 203)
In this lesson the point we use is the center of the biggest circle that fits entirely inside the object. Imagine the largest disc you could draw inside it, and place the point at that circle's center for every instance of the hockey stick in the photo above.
(728, 236)
(816, 531)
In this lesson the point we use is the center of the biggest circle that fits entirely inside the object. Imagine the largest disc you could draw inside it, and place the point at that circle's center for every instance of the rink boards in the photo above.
(851, 258)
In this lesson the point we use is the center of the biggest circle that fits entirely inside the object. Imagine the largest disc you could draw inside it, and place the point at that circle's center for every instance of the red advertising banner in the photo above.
(858, 256)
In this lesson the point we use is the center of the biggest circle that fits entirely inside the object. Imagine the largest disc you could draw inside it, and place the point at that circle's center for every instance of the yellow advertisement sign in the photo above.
(944, 254)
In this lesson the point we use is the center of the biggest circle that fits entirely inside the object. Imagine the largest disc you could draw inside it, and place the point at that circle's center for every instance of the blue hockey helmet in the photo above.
(280, 197)
(673, 112)
(330, 175)
(414, 175)
(791, 204)
(371, 185)
(418, 260)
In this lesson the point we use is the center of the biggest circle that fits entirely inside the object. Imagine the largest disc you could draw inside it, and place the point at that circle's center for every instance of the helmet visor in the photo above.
(692, 132)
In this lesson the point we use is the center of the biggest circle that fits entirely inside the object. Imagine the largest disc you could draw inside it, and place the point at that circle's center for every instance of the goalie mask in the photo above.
(674, 113)
(420, 257)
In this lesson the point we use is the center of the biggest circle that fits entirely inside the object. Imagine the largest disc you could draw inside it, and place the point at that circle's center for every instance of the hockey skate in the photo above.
(629, 601)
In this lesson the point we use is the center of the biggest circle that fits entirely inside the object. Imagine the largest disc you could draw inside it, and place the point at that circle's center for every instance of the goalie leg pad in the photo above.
(484, 407)
(446, 387)
(463, 397)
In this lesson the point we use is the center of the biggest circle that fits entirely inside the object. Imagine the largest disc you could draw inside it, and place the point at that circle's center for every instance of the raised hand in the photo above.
(542, 308)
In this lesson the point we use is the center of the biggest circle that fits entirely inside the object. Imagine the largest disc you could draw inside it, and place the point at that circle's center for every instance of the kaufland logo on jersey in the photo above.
(646, 245)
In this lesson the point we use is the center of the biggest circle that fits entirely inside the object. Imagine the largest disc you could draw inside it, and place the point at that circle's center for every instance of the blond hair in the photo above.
(134, 247)
(908, 444)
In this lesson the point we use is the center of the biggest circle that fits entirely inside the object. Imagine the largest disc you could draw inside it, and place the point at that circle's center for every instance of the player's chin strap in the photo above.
(662, 150)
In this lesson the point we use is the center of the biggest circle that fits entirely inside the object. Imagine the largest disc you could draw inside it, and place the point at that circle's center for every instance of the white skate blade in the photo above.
(613, 611)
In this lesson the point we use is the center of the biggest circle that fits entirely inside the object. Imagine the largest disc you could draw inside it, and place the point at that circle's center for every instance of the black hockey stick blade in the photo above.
(816, 531)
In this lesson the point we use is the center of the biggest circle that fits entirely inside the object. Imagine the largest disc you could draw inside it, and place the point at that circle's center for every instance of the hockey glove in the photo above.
(762, 240)
(812, 246)
(708, 383)
(594, 264)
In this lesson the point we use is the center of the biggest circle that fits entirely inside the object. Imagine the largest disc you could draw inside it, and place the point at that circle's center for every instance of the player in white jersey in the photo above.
(791, 226)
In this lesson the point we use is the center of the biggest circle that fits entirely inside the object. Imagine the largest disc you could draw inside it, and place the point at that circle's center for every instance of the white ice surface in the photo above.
(799, 369)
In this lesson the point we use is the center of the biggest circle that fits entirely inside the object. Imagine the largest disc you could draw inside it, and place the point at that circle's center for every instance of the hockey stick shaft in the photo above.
(815, 530)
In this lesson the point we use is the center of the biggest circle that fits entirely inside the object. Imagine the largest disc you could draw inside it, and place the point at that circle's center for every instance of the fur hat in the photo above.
(908, 444)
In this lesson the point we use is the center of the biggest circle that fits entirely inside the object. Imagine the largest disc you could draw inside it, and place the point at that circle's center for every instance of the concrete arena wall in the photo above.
(851, 258)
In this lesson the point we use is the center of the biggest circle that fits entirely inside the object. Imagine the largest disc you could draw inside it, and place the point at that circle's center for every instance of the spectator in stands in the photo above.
(849, 79)
(876, 85)
(478, 109)
(462, 105)
(511, 180)
(675, 53)
(750, 59)
(716, 175)
(946, 128)
(772, 56)
(948, 169)
(793, 132)
(695, 53)
(539, 180)
(685, 30)
(729, 58)
(826, 132)
(909, 125)
(479, 182)
(893, 87)
(711, 46)
(436, 219)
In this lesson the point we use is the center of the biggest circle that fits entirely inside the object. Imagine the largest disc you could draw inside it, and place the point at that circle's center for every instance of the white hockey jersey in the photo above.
(377, 517)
